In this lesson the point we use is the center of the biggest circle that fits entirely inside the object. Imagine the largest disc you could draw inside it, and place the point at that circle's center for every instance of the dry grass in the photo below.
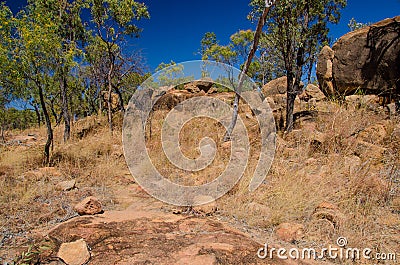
(308, 171)
(321, 162)
(29, 198)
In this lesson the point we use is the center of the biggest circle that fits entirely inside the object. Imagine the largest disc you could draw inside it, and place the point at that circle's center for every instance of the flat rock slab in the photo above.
(154, 237)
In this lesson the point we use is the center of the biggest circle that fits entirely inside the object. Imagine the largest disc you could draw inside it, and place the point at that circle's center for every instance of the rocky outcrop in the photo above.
(172, 98)
(196, 86)
(275, 87)
(137, 236)
(370, 101)
(324, 70)
(367, 59)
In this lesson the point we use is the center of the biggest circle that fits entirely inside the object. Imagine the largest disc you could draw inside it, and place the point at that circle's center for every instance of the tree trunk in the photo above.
(235, 114)
(121, 99)
(101, 99)
(37, 111)
(48, 125)
(293, 79)
(3, 140)
(57, 118)
(65, 110)
(291, 96)
(243, 73)
(109, 79)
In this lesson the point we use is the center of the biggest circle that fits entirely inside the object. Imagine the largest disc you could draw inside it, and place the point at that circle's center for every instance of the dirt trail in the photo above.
(147, 232)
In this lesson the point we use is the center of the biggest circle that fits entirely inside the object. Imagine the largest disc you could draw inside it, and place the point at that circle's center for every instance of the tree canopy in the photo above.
(59, 61)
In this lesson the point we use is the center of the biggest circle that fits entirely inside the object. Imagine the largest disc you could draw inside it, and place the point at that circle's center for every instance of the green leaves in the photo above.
(354, 25)
(209, 39)
(172, 74)
(266, 64)
(301, 24)
(116, 18)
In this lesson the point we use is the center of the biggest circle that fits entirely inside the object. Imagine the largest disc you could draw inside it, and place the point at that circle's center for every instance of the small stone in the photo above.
(74, 253)
(290, 232)
(330, 212)
(89, 206)
(66, 185)
(259, 209)
(317, 141)
(206, 209)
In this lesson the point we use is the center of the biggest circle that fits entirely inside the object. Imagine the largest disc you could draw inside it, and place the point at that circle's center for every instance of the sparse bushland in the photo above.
(336, 173)
(29, 196)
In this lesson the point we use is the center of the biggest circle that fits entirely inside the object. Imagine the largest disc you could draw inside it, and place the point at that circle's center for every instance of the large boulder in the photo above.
(204, 84)
(324, 70)
(367, 59)
(275, 87)
(172, 98)
(276, 96)
(312, 92)
(196, 86)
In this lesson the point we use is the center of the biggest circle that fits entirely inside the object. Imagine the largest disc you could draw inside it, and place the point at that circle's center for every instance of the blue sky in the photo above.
(177, 26)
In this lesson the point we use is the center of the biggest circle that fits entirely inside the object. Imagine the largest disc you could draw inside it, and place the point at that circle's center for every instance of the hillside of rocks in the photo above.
(337, 174)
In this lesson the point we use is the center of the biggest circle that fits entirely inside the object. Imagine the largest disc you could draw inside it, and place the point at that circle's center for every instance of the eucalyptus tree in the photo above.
(66, 17)
(33, 54)
(298, 29)
(241, 41)
(97, 71)
(114, 21)
(5, 43)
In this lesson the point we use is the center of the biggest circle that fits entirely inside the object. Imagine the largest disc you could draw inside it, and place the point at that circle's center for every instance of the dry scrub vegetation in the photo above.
(337, 174)
(30, 199)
